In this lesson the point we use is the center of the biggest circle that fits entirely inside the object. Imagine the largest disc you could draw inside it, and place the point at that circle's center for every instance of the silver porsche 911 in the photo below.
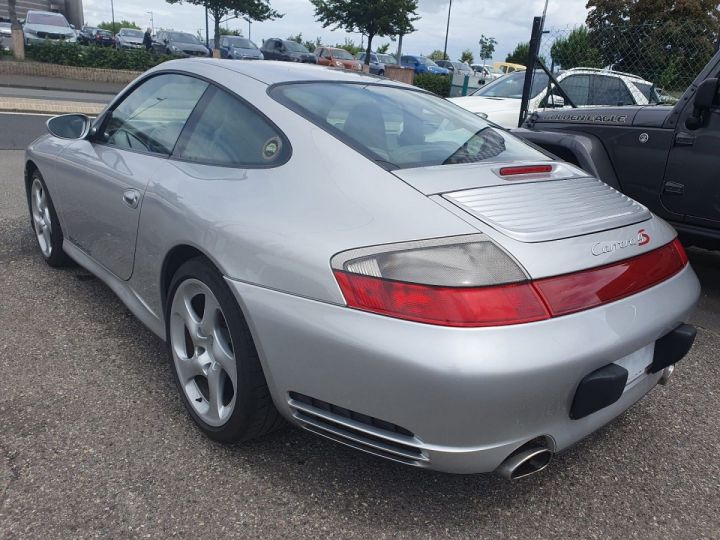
(366, 260)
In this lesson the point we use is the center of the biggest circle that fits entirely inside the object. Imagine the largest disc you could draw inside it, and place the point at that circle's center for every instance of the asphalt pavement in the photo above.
(94, 441)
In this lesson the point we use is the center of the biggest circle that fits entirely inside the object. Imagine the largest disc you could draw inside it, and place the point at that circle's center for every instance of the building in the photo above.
(72, 9)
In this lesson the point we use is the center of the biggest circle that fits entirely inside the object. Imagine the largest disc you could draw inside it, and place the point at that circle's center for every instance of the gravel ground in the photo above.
(94, 441)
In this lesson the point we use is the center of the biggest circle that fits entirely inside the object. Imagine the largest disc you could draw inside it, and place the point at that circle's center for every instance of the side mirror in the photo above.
(165, 41)
(704, 100)
(69, 126)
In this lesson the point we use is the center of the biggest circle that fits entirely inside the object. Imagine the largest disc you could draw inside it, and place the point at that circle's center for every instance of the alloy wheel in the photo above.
(41, 217)
(203, 352)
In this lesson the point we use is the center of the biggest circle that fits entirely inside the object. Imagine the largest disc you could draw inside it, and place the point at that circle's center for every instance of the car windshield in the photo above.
(294, 46)
(426, 61)
(341, 54)
(47, 19)
(241, 43)
(131, 33)
(511, 86)
(386, 58)
(399, 127)
(182, 37)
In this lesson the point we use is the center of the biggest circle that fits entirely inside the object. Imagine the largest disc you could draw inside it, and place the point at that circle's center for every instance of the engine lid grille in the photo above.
(550, 210)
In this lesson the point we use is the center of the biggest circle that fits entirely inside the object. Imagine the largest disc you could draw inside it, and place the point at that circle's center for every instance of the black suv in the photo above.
(666, 157)
(287, 51)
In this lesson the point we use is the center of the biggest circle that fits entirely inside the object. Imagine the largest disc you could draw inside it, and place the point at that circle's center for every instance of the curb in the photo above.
(42, 106)
(42, 69)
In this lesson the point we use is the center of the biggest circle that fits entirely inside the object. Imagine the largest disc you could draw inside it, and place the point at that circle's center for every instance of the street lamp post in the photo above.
(447, 31)
(249, 21)
(112, 11)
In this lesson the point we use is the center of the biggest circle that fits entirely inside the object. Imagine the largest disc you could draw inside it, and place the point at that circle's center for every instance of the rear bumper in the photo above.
(469, 397)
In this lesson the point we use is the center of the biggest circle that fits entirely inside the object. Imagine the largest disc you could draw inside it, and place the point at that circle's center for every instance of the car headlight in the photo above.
(31, 32)
(338, 63)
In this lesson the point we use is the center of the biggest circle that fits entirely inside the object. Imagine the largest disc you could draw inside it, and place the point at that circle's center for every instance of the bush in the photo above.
(73, 54)
(437, 84)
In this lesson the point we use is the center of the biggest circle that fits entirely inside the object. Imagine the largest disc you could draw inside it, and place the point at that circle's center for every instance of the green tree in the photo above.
(220, 11)
(370, 17)
(487, 47)
(383, 49)
(117, 26)
(228, 32)
(438, 55)
(297, 38)
(576, 50)
(467, 56)
(520, 54)
(349, 46)
(667, 42)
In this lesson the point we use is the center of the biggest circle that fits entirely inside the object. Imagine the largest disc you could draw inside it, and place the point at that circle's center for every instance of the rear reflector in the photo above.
(513, 303)
(590, 288)
(525, 169)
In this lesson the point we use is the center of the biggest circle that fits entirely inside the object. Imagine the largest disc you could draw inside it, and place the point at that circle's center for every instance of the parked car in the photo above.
(507, 67)
(41, 26)
(129, 38)
(5, 35)
(287, 51)
(422, 65)
(334, 57)
(500, 100)
(86, 34)
(102, 38)
(666, 157)
(377, 62)
(179, 44)
(486, 73)
(455, 66)
(239, 48)
(430, 289)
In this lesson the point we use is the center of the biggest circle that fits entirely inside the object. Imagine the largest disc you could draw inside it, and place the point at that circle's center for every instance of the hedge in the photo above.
(73, 54)
(437, 84)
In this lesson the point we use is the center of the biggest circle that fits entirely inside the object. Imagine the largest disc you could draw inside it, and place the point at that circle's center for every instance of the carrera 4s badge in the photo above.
(640, 239)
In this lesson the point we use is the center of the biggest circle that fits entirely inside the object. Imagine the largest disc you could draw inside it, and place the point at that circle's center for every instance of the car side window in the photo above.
(152, 116)
(577, 87)
(610, 91)
(326, 53)
(225, 131)
(224, 42)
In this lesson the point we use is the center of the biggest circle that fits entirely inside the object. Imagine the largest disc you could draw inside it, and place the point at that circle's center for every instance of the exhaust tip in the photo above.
(525, 463)
(666, 374)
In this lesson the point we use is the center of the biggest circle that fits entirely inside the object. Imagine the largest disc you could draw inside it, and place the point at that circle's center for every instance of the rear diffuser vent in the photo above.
(357, 430)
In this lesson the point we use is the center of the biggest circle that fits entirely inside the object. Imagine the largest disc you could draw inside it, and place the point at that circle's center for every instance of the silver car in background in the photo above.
(365, 260)
(41, 26)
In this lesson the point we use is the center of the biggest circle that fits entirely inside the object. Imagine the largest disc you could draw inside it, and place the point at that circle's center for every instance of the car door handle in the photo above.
(674, 188)
(684, 139)
(131, 197)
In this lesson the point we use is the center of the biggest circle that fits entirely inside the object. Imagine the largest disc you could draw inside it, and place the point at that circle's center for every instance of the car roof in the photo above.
(279, 72)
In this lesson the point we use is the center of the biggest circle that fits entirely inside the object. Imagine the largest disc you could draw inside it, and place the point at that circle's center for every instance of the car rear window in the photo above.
(400, 127)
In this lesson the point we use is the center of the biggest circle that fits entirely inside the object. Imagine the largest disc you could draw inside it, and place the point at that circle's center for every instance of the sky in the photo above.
(508, 21)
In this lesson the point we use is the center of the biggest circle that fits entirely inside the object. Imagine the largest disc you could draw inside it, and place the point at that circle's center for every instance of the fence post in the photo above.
(530, 68)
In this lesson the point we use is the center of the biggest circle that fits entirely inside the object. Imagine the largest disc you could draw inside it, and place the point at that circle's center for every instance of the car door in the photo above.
(104, 177)
(691, 185)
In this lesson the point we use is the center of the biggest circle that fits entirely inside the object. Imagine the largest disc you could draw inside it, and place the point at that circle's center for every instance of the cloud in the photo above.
(507, 21)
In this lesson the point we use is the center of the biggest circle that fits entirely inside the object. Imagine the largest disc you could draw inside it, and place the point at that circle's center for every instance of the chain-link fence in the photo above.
(617, 65)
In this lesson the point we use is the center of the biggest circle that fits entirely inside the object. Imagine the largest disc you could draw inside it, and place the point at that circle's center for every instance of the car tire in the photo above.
(381, 73)
(213, 357)
(45, 223)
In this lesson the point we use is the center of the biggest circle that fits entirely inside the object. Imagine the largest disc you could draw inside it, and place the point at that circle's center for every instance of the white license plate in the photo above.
(636, 363)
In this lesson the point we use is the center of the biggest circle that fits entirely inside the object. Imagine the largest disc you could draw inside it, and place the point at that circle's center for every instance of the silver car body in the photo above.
(38, 33)
(469, 396)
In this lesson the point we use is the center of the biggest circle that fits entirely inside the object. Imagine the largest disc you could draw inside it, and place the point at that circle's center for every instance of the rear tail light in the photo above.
(590, 288)
(470, 282)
